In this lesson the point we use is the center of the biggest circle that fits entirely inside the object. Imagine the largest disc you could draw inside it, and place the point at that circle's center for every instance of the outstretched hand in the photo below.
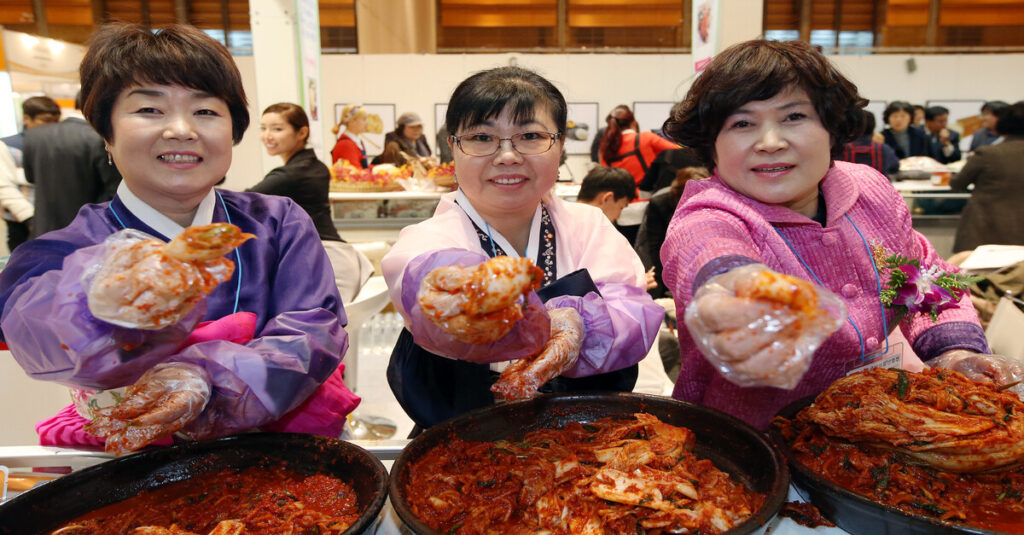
(161, 402)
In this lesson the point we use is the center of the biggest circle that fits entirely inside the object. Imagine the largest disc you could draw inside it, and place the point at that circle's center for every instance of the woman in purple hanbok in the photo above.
(262, 351)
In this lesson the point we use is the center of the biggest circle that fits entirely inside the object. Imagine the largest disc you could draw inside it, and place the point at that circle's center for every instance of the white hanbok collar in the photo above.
(532, 246)
(159, 222)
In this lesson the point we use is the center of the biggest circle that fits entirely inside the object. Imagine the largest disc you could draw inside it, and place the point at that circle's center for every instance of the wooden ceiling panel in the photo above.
(70, 12)
(624, 14)
(16, 12)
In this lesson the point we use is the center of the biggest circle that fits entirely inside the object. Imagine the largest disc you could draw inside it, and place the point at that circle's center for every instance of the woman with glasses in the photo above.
(507, 127)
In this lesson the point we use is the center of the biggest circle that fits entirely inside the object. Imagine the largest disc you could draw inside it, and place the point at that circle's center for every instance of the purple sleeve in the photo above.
(258, 382)
(526, 338)
(620, 326)
(53, 337)
(293, 353)
(952, 335)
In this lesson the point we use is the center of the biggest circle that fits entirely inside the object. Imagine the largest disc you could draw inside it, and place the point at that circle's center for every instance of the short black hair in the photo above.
(931, 112)
(1010, 120)
(41, 105)
(486, 94)
(758, 70)
(993, 105)
(124, 55)
(601, 179)
(895, 106)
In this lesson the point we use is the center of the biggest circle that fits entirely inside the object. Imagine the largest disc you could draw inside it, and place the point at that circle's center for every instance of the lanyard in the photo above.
(878, 282)
(227, 216)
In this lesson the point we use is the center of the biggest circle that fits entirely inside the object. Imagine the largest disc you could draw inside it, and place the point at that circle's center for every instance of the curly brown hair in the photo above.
(759, 70)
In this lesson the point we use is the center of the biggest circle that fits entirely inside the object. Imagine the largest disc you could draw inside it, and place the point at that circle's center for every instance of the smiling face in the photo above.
(280, 137)
(775, 151)
(170, 143)
(508, 183)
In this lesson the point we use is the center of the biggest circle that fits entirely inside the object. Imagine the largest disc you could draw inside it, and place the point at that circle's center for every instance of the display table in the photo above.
(379, 216)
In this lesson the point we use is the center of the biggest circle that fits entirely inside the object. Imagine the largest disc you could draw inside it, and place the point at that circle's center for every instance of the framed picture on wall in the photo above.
(581, 127)
(381, 121)
(651, 115)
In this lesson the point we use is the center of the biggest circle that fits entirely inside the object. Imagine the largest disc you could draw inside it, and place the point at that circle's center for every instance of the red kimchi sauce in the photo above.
(988, 500)
(268, 501)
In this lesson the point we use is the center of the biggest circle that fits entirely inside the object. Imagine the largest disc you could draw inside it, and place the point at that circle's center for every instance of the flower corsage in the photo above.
(913, 289)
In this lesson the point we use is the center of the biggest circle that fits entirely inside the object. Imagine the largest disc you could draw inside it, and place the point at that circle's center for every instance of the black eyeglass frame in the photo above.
(555, 136)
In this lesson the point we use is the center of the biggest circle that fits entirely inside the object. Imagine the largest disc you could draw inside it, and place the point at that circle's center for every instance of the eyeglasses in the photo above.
(526, 143)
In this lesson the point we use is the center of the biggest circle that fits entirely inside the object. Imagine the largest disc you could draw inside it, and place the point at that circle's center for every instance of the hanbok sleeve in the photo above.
(295, 351)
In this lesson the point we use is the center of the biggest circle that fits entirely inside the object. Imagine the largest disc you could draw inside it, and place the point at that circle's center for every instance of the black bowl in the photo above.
(47, 507)
(850, 511)
(732, 445)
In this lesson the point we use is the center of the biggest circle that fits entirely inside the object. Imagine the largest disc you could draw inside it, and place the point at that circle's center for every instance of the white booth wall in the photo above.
(418, 82)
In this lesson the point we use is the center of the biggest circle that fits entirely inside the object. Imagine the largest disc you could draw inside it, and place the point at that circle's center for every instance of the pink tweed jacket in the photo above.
(715, 229)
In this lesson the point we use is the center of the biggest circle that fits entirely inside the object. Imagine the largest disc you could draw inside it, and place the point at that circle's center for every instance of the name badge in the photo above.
(893, 358)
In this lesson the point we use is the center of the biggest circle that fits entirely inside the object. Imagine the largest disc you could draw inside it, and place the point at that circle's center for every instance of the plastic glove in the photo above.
(522, 378)
(759, 327)
(162, 401)
(981, 367)
(479, 304)
(143, 283)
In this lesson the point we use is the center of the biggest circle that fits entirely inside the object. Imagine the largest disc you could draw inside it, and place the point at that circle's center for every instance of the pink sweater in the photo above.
(715, 229)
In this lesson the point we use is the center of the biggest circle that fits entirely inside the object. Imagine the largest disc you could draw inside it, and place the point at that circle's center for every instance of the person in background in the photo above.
(17, 209)
(655, 224)
(70, 167)
(944, 144)
(993, 212)
(865, 150)
(406, 140)
(609, 189)
(665, 167)
(769, 117)
(444, 152)
(35, 111)
(919, 116)
(169, 104)
(624, 147)
(284, 131)
(987, 135)
(507, 125)
(350, 146)
(904, 139)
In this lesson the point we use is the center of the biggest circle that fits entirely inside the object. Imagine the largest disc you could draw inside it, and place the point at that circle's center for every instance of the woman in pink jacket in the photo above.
(769, 118)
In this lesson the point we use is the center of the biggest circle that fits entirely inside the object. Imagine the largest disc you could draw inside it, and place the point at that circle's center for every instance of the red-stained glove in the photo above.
(162, 401)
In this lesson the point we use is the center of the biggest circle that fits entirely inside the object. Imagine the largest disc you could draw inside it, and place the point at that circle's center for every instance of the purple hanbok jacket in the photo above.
(715, 229)
(286, 280)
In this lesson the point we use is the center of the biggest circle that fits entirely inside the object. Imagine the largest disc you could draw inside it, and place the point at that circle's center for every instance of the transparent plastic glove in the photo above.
(759, 327)
(479, 304)
(522, 378)
(143, 283)
(983, 368)
(162, 401)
